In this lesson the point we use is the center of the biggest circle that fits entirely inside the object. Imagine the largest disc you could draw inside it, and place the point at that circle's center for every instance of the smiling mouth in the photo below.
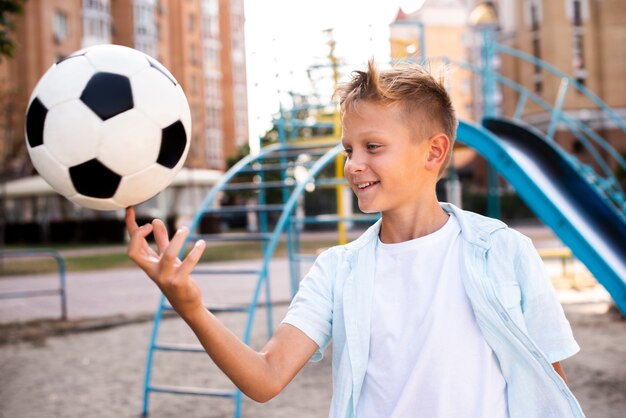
(363, 186)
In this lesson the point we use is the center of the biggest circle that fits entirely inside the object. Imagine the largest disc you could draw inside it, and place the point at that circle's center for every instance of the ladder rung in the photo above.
(260, 185)
(266, 167)
(244, 209)
(303, 257)
(292, 154)
(216, 309)
(233, 237)
(225, 271)
(334, 218)
(330, 182)
(188, 348)
(185, 390)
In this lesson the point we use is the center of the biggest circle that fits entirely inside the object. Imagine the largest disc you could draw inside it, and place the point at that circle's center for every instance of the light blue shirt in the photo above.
(514, 303)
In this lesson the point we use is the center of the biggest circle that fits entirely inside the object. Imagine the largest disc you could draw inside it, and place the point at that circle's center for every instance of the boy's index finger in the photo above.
(131, 223)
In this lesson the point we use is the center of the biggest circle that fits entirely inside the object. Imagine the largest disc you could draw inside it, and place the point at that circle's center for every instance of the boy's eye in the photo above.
(347, 152)
(372, 147)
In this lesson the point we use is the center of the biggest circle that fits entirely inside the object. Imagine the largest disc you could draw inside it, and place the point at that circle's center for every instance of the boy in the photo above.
(433, 311)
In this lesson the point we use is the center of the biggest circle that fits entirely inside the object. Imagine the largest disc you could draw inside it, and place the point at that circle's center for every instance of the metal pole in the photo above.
(490, 109)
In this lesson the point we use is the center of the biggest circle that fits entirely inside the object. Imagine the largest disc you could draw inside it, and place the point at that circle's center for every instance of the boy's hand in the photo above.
(164, 268)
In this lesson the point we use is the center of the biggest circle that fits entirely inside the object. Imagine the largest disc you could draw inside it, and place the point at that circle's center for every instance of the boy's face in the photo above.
(388, 166)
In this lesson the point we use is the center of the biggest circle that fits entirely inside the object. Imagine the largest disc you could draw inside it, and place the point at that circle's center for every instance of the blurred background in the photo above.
(242, 63)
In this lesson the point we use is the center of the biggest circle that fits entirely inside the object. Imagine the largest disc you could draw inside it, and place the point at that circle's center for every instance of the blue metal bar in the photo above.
(578, 128)
(40, 292)
(181, 390)
(569, 121)
(490, 109)
(521, 104)
(555, 71)
(558, 107)
(330, 182)
(324, 219)
(263, 225)
(150, 357)
(294, 267)
(299, 190)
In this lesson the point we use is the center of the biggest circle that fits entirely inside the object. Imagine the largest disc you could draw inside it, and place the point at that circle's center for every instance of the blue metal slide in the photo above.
(545, 177)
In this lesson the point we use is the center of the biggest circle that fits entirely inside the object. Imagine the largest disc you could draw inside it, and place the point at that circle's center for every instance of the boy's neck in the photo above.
(410, 223)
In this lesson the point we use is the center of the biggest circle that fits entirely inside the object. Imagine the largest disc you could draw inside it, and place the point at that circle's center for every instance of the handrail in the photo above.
(40, 292)
(525, 93)
(555, 71)
(577, 128)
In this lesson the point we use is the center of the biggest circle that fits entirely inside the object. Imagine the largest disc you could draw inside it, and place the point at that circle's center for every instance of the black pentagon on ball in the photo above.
(62, 59)
(173, 142)
(108, 94)
(94, 179)
(35, 120)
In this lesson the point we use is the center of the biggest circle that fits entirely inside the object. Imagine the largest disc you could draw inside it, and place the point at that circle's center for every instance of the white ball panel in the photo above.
(117, 59)
(160, 67)
(71, 133)
(185, 115)
(63, 81)
(129, 142)
(139, 187)
(157, 97)
(93, 203)
(52, 171)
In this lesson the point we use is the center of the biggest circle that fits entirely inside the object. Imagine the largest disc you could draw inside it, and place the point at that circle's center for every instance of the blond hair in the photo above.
(424, 100)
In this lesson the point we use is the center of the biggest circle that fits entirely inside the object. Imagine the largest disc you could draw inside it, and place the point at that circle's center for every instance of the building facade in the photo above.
(200, 41)
(444, 26)
(585, 39)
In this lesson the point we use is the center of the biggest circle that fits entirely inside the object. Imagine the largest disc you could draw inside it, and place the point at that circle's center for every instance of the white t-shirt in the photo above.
(428, 357)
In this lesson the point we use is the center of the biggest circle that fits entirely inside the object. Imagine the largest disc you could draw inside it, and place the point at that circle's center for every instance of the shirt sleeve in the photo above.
(311, 310)
(543, 314)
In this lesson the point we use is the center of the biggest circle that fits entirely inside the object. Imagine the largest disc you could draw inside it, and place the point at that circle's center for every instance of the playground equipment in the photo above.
(284, 163)
(44, 252)
(583, 204)
(551, 185)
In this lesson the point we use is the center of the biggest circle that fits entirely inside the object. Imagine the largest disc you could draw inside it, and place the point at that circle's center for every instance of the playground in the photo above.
(119, 350)
(94, 365)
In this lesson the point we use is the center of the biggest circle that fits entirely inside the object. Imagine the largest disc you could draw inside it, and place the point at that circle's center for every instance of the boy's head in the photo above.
(424, 103)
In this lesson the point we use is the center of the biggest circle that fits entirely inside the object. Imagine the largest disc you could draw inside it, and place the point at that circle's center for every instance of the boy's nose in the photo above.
(354, 166)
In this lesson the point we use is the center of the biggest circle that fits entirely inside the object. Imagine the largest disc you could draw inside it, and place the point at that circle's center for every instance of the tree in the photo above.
(8, 10)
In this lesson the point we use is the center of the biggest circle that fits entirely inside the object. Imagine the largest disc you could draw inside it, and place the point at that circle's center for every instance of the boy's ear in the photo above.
(438, 147)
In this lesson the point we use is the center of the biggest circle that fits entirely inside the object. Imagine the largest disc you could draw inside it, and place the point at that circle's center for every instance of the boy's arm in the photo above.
(260, 375)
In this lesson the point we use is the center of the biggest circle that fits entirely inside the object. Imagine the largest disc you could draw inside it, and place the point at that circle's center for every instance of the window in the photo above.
(96, 22)
(534, 17)
(59, 26)
(578, 52)
(192, 54)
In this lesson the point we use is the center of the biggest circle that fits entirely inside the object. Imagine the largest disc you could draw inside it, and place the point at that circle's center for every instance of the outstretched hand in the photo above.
(165, 268)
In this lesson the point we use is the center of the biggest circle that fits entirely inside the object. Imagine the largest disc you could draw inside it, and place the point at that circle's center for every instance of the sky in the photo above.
(285, 37)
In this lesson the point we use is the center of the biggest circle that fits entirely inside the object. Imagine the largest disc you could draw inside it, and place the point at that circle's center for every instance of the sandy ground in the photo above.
(100, 374)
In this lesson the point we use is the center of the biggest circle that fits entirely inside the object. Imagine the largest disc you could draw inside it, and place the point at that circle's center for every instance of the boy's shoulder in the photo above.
(483, 230)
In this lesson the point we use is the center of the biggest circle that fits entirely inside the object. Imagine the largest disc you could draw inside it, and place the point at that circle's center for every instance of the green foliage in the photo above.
(8, 10)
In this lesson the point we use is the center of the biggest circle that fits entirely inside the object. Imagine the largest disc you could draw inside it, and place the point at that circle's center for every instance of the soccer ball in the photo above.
(108, 127)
